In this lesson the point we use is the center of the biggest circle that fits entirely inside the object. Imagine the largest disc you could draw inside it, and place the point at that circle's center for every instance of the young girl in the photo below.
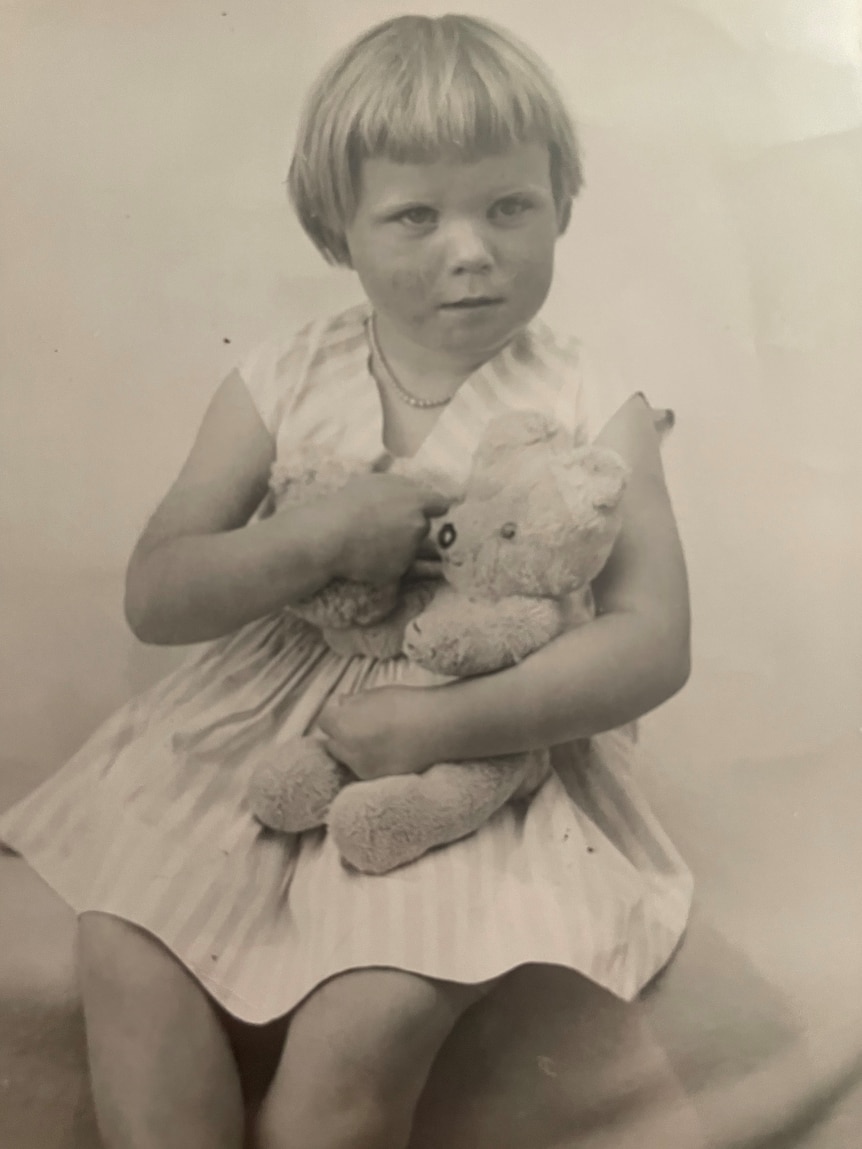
(437, 161)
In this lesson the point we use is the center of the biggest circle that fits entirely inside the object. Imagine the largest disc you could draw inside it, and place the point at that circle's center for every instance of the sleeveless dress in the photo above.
(149, 821)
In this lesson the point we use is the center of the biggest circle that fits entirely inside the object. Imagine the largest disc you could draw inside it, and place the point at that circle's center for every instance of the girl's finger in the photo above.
(434, 503)
(335, 750)
(328, 719)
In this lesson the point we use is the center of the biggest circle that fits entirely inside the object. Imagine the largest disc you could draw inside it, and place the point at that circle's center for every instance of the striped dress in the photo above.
(149, 820)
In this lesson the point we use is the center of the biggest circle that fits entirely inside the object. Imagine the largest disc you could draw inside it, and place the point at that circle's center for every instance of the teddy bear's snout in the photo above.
(446, 536)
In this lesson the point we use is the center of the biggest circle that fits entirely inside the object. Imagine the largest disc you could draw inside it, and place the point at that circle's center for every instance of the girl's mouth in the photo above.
(471, 302)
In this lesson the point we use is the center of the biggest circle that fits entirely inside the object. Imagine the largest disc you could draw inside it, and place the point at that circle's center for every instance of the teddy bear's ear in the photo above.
(593, 476)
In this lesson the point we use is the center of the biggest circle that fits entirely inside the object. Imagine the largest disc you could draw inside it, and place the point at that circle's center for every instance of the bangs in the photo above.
(417, 89)
(439, 99)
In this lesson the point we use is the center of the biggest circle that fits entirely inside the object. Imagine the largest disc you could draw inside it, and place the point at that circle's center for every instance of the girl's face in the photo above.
(457, 255)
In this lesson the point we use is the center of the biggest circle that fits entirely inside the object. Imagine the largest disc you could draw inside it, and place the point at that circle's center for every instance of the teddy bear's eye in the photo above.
(508, 530)
(446, 536)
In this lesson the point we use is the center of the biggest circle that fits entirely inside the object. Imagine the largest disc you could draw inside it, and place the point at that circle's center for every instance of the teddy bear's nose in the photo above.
(446, 536)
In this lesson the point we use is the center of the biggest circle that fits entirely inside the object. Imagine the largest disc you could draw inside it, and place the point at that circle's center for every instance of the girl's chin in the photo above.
(476, 333)
(479, 344)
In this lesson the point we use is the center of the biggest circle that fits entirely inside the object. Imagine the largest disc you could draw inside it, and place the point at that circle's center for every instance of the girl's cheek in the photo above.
(412, 280)
(538, 263)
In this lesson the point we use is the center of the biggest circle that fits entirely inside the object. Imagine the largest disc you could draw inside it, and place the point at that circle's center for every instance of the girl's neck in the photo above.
(427, 373)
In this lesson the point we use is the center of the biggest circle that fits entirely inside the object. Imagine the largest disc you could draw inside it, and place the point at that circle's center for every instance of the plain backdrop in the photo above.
(715, 258)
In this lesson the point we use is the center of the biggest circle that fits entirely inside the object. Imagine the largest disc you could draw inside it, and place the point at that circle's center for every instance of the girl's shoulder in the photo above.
(279, 368)
(593, 388)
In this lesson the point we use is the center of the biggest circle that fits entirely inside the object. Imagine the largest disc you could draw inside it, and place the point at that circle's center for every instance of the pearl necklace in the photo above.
(403, 394)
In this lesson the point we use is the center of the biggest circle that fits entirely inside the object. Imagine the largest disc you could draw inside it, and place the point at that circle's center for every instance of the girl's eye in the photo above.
(511, 207)
(418, 216)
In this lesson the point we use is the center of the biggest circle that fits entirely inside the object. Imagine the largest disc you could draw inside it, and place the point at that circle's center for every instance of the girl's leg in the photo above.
(162, 1070)
(357, 1055)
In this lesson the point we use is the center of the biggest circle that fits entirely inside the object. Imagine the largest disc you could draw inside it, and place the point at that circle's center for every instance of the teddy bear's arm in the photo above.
(459, 636)
(384, 639)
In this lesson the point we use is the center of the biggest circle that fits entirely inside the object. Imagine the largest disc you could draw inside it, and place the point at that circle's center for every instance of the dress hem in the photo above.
(237, 1006)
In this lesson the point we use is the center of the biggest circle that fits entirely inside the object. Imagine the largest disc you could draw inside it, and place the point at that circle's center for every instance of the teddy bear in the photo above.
(352, 617)
(534, 526)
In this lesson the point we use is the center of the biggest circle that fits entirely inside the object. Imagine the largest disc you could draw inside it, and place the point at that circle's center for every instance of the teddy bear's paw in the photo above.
(459, 636)
(449, 655)
(432, 648)
(375, 825)
(435, 638)
(293, 790)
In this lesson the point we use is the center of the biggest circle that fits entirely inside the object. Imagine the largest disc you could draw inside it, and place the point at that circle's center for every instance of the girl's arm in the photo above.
(201, 570)
(633, 656)
(194, 574)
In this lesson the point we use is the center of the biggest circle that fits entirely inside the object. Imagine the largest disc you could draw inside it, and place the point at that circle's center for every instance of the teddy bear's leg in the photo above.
(388, 822)
(293, 788)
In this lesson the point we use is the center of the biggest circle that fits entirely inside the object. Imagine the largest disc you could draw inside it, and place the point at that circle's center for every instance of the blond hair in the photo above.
(416, 88)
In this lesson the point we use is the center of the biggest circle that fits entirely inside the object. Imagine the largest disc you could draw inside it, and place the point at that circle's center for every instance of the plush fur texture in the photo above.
(297, 798)
(535, 525)
(383, 639)
(460, 636)
(343, 603)
(352, 617)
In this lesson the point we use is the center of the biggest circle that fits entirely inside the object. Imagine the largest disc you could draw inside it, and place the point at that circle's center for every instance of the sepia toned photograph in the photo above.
(430, 633)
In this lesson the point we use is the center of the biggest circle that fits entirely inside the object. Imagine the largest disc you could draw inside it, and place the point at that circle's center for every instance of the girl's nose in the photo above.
(467, 248)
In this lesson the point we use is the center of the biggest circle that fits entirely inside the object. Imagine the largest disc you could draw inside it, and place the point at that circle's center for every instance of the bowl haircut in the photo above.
(415, 89)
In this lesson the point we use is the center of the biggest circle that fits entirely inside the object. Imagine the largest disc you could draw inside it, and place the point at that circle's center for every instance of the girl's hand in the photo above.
(384, 731)
(380, 522)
